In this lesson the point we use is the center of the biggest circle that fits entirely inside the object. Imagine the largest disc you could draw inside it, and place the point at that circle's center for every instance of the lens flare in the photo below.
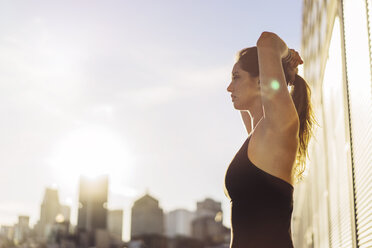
(275, 85)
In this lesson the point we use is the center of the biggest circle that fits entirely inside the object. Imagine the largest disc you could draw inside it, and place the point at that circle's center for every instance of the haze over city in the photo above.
(132, 89)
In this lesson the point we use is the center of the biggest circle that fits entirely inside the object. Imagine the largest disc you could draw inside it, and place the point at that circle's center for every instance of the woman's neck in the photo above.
(257, 115)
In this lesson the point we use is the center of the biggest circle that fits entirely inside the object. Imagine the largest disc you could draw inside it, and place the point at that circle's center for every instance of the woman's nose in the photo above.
(229, 88)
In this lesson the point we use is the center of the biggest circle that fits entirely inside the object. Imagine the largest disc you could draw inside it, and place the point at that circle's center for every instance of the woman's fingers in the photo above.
(296, 59)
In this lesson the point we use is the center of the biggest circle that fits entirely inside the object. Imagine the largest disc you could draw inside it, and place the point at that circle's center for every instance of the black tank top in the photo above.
(261, 205)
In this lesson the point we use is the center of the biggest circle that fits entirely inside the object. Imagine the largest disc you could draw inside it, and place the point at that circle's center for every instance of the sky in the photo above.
(132, 89)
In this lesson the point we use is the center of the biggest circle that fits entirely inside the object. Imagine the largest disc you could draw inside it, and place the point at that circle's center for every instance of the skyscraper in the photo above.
(178, 223)
(208, 207)
(207, 226)
(147, 217)
(65, 211)
(22, 229)
(115, 223)
(92, 214)
(50, 208)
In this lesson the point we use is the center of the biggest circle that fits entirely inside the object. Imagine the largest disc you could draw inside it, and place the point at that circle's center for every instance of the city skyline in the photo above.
(93, 191)
(135, 90)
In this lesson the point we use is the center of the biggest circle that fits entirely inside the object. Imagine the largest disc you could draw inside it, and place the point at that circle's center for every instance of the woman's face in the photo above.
(245, 89)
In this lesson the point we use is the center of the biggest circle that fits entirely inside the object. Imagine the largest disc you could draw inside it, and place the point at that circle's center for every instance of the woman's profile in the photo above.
(276, 109)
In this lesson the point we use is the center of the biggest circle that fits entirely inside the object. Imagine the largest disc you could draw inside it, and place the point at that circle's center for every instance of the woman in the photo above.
(260, 178)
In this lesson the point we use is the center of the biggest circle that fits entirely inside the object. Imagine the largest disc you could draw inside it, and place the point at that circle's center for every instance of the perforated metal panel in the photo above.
(340, 178)
(337, 139)
(369, 23)
(357, 47)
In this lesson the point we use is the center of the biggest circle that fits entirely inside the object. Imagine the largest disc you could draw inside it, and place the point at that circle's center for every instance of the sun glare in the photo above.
(90, 151)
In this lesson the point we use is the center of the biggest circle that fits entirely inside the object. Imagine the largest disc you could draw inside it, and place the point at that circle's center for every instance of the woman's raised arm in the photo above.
(280, 111)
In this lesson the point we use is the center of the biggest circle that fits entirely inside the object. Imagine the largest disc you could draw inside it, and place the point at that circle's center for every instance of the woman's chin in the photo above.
(237, 106)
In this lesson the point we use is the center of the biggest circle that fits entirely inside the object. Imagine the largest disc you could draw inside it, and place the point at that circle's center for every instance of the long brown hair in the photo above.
(301, 96)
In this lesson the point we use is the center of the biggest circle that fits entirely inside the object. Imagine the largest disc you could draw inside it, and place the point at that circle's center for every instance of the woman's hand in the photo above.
(272, 42)
(290, 58)
(290, 64)
(294, 59)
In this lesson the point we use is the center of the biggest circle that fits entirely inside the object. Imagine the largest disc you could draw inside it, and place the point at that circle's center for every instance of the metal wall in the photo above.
(332, 206)
(358, 70)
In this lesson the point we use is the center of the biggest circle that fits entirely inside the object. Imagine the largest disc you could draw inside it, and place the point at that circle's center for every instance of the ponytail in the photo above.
(301, 96)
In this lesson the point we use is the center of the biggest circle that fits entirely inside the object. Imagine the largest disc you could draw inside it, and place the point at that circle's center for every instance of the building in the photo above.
(208, 207)
(50, 208)
(22, 229)
(178, 223)
(210, 231)
(149, 240)
(102, 238)
(65, 211)
(60, 233)
(207, 225)
(332, 205)
(115, 223)
(7, 232)
(184, 242)
(92, 213)
(147, 217)
(52, 213)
